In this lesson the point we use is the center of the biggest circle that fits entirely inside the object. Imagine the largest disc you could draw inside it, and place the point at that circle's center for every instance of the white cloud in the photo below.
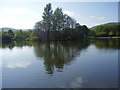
(101, 18)
(69, 13)
(12, 11)
(18, 64)
(90, 24)
(16, 18)
(97, 18)
(77, 83)
(92, 16)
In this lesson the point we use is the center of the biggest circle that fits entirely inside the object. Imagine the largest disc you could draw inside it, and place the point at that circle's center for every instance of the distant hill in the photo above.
(7, 28)
(113, 23)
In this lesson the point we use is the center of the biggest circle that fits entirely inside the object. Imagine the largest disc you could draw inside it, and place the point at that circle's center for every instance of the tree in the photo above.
(85, 30)
(58, 26)
(18, 35)
(11, 33)
(40, 30)
(47, 20)
(108, 29)
(69, 22)
(111, 33)
(58, 19)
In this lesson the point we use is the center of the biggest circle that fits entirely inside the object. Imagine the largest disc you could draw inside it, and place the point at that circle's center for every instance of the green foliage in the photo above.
(70, 33)
(18, 35)
(58, 18)
(47, 20)
(0, 34)
(11, 33)
(111, 33)
(102, 34)
(92, 33)
(106, 30)
(58, 26)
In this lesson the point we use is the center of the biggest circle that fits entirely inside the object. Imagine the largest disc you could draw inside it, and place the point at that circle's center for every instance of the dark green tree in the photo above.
(47, 20)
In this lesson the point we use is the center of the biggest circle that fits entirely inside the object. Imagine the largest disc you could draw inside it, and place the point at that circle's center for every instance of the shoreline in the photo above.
(104, 37)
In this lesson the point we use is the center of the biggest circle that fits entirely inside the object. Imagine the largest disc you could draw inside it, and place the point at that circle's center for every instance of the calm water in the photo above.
(83, 64)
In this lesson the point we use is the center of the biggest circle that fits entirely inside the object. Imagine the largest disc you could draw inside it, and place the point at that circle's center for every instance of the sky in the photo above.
(24, 14)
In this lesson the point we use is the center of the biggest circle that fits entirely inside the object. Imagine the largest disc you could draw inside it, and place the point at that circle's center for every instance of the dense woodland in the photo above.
(57, 26)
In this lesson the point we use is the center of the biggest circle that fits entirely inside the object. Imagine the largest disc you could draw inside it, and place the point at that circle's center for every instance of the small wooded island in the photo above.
(57, 26)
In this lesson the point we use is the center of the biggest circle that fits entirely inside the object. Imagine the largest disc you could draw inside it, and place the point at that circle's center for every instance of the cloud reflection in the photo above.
(77, 83)
(18, 65)
(0, 64)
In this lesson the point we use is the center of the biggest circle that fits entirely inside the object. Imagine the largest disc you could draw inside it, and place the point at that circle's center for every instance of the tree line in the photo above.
(17, 35)
(106, 30)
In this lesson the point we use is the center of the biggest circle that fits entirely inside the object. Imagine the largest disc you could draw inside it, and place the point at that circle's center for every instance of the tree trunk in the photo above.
(48, 35)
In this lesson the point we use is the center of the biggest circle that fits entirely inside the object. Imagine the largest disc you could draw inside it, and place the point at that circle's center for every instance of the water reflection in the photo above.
(99, 43)
(67, 64)
(77, 83)
(107, 44)
(19, 44)
(18, 64)
(59, 54)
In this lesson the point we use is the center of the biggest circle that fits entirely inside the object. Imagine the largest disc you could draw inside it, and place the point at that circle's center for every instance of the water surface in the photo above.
(83, 64)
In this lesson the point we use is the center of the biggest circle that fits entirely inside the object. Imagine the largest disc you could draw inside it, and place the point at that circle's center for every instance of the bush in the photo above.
(111, 33)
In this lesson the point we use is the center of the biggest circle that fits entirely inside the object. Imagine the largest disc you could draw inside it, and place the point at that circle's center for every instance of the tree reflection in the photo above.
(19, 44)
(107, 44)
(58, 54)
(9, 45)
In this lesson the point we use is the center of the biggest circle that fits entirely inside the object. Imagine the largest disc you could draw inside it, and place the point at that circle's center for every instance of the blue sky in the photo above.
(24, 14)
